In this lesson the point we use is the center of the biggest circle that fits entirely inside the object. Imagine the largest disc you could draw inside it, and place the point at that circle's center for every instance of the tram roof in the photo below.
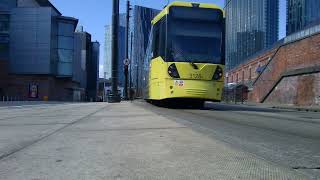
(165, 11)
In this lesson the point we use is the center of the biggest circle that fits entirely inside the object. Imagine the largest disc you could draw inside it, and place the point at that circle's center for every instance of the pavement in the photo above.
(139, 141)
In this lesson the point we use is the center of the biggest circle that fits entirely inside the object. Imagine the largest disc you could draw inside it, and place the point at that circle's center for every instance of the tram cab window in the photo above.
(159, 39)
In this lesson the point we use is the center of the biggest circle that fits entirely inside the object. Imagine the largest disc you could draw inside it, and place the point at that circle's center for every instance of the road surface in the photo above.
(139, 141)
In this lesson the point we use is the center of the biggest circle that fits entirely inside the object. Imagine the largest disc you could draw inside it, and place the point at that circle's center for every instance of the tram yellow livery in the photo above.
(185, 56)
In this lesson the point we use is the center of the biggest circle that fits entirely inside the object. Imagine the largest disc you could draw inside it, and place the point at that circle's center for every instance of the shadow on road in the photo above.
(215, 107)
(233, 107)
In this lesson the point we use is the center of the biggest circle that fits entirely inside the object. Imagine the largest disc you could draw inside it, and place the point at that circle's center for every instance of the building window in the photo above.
(4, 47)
(4, 23)
(65, 42)
(4, 36)
(66, 29)
(65, 48)
(242, 76)
(65, 55)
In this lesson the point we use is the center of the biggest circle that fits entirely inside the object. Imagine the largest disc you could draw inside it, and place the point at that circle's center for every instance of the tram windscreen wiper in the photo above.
(193, 64)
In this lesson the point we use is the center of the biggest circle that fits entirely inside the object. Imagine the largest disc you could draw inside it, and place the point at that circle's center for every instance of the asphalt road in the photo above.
(285, 137)
(140, 141)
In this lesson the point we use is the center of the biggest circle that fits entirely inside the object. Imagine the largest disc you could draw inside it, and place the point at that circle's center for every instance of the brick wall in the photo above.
(301, 54)
(246, 73)
(303, 90)
(298, 90)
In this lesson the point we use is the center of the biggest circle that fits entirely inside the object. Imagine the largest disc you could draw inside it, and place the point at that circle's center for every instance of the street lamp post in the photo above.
(126, 65)
(130, 67)
(114, 97)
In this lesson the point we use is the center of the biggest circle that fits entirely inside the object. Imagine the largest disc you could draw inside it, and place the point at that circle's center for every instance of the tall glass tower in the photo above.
(140, 29)
(302, 13)
(251, 26)
(107, 51)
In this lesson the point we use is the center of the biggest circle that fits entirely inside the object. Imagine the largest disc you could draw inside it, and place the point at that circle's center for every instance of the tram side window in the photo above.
(155, 41)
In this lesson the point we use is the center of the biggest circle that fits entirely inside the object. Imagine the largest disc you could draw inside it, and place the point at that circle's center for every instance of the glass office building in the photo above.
(65, 49)
(92, 71)
(47, 46)
(107, 51)
(251, 26)
(4, 35)
(43, 50)
(302, 13)
(82, 55)
(140, 30)
(121, 50)
(5, 7)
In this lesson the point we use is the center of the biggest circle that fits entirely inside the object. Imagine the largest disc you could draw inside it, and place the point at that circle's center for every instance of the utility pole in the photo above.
(114, 97)
(130, 76)
(127, 61)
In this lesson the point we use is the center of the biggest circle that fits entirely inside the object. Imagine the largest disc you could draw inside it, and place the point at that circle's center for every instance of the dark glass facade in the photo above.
(82, 55)
(92, 71)
(140, 30)
(302, 13)
(65, 50)
(4, 35)
(251, 26)
(7, 5)
(34, 54)
(47, 46)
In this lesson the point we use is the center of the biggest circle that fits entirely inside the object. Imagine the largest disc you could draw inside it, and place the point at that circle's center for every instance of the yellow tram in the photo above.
(185, 56)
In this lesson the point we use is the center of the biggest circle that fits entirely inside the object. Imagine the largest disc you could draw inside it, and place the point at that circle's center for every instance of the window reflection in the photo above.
(4, 23)
(65, 48)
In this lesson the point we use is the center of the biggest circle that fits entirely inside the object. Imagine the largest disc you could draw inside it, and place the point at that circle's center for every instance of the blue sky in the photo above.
(95, 14)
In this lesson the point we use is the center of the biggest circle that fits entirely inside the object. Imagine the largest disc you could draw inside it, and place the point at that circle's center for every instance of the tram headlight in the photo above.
(173, 71)
(218, 74)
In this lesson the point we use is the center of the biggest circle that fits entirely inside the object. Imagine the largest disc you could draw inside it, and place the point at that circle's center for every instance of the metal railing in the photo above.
(302, 34)
(10, 98)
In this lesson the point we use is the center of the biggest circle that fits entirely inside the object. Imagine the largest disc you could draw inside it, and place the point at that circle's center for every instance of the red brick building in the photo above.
(288, 74)
(248, 72)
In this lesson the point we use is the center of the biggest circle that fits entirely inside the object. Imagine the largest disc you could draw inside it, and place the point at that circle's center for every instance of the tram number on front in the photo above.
(195, 76)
